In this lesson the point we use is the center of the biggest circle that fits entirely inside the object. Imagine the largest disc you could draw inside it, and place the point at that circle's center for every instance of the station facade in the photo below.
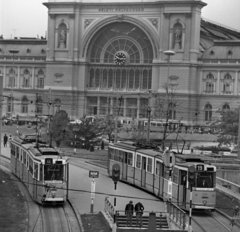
(97, 53)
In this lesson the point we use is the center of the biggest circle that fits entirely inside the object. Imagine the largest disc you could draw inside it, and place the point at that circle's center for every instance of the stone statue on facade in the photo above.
(62, 38)
(177, 37)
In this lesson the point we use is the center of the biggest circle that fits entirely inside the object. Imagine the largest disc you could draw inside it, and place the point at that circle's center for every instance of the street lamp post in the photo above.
(169, 53)
(12, 51)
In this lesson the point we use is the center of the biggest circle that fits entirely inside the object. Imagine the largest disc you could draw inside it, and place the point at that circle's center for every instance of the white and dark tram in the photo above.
(41, 168)
(165, 174)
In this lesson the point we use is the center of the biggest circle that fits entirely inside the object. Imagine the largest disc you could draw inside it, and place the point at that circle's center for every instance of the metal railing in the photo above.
(176, 214)
(228, 184)
(109, 207)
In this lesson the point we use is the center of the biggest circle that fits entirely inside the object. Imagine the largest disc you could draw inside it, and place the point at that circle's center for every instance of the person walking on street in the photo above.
(129, 212)
(5, 140)
(139, 208)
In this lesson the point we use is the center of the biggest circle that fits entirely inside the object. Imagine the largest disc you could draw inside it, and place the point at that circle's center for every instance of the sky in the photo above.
(28, 18)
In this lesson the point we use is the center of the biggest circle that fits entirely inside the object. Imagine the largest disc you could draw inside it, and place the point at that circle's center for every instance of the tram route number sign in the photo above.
(93, 174)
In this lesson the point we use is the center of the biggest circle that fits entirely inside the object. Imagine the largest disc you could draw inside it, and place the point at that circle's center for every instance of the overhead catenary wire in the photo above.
(101, 193)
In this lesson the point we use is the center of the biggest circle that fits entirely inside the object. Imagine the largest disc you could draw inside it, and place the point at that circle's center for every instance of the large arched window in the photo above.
(126, 52)
(40, 79)
(10, 104)
(24, 105)
(122, 37)
(208, 112)
(225, 107)
(227, 84)
(39, 105)
(210, 82)
(11, 80)
(26, 79)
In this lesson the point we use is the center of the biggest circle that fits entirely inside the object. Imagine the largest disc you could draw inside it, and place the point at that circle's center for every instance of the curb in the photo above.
(77, 214)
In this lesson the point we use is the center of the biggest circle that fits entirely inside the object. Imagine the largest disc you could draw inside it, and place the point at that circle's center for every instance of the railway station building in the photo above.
(97, 52)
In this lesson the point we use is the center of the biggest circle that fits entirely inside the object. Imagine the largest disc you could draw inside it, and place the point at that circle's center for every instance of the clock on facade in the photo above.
(120, 58)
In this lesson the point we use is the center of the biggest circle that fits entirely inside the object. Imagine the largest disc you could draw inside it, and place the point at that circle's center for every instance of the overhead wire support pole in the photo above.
(149, 115)
(118, 108)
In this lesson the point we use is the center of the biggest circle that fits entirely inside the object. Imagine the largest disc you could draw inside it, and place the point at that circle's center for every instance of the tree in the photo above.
(108, 125)
(89, 128)
(58, 127)
(137, 131)
(227, 126)
(165, 105)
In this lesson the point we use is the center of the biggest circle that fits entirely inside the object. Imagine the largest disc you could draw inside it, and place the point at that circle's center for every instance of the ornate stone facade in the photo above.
(96, 52)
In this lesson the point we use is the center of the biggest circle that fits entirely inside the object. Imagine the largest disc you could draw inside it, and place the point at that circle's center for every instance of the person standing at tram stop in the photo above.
(139, 208)
(5, 140)
(129, 212)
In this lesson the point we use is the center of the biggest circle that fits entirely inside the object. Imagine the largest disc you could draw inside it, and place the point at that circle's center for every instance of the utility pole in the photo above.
(36, 116)
(118, 108)
(1, 104)
(149, 114)
(239, 132)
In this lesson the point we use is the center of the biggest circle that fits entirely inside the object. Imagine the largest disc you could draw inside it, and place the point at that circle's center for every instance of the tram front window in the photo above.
(205, 180)
(53, 172)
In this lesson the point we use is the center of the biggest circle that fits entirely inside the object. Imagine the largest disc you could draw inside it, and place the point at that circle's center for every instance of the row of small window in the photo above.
(28, 162)
(127, 157)
(121, 78)
(227, 85)
(28, 51)
(26, 82)
(26, 72)
(39, 106)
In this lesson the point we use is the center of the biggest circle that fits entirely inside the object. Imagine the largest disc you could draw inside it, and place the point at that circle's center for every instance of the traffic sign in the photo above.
(93, 174)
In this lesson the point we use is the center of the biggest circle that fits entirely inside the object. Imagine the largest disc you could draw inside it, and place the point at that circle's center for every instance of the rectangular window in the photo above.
(111, 153)
(53, 172)
(24, 107)
(116, 155)
(157, 171)
(18, 155)
(36, 170)
(24, 158)
(13, 150)
(138, 161)
(149, 165)
(39, 109)
(31, 165)
(40, 83)
(129, 158)
(175, 175)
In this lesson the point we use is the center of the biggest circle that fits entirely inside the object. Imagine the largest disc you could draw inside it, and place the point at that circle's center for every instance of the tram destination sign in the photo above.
(93, 174)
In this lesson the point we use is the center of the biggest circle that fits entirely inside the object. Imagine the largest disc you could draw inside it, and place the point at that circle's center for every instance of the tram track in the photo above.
(212, 222)
(49, 218)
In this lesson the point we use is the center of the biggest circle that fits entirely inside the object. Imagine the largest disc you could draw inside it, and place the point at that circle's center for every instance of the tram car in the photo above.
(41, 168)
(165, 174)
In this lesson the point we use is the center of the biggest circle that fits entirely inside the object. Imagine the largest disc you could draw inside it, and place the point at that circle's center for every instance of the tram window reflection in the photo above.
(205, 180)
(53, 172)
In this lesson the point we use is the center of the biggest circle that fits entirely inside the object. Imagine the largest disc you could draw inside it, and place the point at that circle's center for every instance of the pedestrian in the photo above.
(139, 212)
(5, 140)
(129, 209)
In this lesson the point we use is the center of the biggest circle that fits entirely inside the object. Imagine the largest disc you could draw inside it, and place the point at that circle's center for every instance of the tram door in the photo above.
(183, 189)
(124, 168)
(143, 180)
